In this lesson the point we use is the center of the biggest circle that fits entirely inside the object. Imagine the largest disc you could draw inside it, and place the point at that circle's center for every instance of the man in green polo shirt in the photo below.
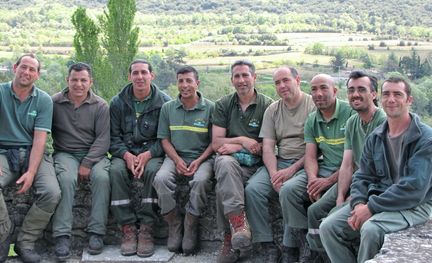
(185, 131)
(81, 140)
(25, 116)
(314, 188)
(237, 121)
(362, 94)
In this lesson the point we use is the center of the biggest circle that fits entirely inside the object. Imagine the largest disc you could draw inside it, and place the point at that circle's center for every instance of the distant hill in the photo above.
(399, 12)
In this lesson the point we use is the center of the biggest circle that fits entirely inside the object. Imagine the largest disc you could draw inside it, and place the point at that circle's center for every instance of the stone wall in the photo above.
(18, 206)
(411, 245)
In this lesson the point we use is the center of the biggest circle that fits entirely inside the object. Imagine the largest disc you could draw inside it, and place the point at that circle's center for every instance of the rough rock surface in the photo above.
(19, 205)
(411, 245)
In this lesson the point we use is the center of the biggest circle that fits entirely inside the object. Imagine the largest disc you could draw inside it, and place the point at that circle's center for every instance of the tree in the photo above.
(338, 61)
(392, 63)
(109, 46)
(367, 61)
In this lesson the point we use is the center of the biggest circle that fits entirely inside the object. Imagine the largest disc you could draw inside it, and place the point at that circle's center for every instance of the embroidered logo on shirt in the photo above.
(254, 123)
(32, 113)
(199, 123)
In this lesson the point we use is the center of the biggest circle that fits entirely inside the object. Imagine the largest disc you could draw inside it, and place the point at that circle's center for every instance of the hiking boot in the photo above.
(129, 240)
(175, 225)
(62, 248)
(190, 238)
(227, 254)
(241, 235)
(290, 254)
(145, 241)
(4, 246)
(95, 245)
(27, 255)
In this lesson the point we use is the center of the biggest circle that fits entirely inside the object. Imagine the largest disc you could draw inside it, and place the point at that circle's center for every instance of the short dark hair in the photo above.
(80, 66)
(293, 71)
(32, 55)
(242, 62)
(357, 74)
(137, 61)
(399, 80)
(188, 69)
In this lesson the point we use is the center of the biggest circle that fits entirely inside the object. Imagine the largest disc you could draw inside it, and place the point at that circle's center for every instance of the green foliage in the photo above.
(316, 49)
(338, 61)
(109, 47)
(392, 63)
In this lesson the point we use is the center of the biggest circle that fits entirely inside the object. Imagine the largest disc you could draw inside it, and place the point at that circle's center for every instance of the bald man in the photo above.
(314, 188)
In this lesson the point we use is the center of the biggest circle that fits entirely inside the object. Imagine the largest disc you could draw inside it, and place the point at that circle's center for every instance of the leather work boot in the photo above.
(62, 247)
(129, 240)
(227, 254)
(241, 235)
(175, 225)
(145, 241)
(190, 238)
(96, 244)
(27, 255)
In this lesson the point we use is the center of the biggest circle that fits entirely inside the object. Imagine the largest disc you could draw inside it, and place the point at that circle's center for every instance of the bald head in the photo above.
(323, 91)
(323, 78)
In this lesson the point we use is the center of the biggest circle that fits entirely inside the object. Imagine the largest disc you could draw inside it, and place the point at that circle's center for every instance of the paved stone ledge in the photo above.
(413, 245)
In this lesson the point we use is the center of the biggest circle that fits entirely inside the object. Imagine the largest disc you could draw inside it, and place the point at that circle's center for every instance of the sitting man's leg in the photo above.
(66, 168)
(294, 201)
(165, 186)
(47, 197)
(200, 185)
(121, 183)
(147, 210)
(258, 191)
(101, 190)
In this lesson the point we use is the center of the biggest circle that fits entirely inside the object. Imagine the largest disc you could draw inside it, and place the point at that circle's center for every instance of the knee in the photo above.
(102, 178)
(118, 170)
(223, 162)
(51, 195)
(371, 232)
(285, 192)
(326, 228)
(161, 180)
(312, 210)
(200, 183)
(67, 180)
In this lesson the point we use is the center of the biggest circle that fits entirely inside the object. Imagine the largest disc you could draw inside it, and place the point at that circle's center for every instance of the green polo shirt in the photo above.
(19, 119)
(189, 130)
(329, 136)
(229, 115)
(141, 105)
(356, 133)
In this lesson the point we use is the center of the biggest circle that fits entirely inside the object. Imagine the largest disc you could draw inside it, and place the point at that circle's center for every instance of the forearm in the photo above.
(344, 181)
(311, 168)
(206, 154)
(220, 141)
(298, 165)
(170, 150)
(333, 178)
(270, 162)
